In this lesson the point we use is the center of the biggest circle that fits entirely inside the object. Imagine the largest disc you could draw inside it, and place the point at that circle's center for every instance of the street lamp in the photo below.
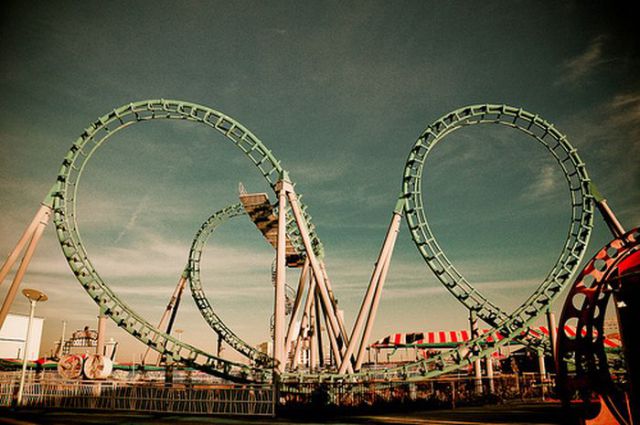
(33, 296)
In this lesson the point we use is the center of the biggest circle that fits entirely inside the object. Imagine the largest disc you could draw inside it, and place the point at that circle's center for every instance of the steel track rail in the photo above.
(64, 196)
(582, 208)
(198, 294)
(509, 326)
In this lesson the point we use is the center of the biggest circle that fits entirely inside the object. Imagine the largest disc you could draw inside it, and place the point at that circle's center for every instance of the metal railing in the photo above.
(246, 400)
(441, 392)
(49, 391)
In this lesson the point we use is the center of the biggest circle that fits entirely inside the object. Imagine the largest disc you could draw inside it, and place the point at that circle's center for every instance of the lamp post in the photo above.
(33, 296)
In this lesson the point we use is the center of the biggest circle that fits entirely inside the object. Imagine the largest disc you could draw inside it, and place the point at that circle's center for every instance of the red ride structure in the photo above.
(583, 368)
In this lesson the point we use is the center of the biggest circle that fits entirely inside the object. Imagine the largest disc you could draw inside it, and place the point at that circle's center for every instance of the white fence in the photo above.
(247, 400)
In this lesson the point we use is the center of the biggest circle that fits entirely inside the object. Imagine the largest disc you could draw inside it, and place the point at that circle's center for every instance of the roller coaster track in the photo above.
(64, 195)
(582, 209)
(510, 326)
(198, 294)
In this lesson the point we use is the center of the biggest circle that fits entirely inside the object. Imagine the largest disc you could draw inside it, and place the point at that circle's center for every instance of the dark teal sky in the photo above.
(339, 91)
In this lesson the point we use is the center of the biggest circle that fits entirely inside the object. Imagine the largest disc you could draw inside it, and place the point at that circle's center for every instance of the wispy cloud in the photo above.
(142, 205)
(626, 113)
(576, 69)
(546, 184)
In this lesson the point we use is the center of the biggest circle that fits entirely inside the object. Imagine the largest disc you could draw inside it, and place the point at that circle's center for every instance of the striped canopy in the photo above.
(441, 339)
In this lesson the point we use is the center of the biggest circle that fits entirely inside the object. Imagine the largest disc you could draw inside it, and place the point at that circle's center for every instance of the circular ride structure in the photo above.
(581, 358)
(64, 195)
(197, 291)
(510, 326)
(582, 208)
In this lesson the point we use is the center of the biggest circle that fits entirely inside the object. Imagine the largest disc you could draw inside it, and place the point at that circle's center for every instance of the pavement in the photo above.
(538, 413)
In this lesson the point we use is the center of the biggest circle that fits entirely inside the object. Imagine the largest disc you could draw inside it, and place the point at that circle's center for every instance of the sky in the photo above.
(339, 91)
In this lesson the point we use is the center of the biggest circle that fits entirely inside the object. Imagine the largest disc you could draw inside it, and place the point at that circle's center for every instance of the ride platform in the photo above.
(261, 212)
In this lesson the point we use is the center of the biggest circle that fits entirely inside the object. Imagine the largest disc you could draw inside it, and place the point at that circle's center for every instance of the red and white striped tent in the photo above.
(445, 339)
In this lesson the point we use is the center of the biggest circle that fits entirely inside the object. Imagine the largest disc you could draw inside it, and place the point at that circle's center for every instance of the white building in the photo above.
(14, 333)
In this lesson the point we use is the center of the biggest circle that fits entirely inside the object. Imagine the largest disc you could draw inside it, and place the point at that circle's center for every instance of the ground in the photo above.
(510, 413)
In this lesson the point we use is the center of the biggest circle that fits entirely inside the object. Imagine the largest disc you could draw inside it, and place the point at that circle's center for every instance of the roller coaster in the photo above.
(288, 226)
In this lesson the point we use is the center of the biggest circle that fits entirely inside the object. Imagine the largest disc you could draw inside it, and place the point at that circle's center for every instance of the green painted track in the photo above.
(510, 326)
(64, 197)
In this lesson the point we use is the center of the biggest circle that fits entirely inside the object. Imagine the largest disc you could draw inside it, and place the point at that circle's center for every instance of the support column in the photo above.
(219, 347)
(173, 301)
(25, 353)
(102, 329)
(304, 322)
(371, 318)
(553, 331)
(279, 308)
(317, 272)
(28, 233)
(334, 302)
(477, 364)
(293, 330)
(42, 219)
(61, 347)
(365, 307)
(313, 342)
(318, 328)
(543, 372)
(610, 218)
(298, 348)
(489, 361)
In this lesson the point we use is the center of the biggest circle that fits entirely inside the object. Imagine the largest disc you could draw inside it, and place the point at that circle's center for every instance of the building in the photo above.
(14, 333)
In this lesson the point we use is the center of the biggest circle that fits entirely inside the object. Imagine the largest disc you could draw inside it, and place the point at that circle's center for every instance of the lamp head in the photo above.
(34, 295)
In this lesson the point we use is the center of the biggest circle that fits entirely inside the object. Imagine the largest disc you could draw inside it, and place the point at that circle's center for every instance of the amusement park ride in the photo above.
(581, 361)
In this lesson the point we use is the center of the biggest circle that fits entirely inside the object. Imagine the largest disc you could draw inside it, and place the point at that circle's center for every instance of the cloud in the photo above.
(134, 218)
(546, 184)
(626, 113)
(579, 67)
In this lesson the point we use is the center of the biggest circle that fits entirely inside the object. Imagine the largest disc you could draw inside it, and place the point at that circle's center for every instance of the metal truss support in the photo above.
(168, 312)
(334, 302)
(553, 331)
(219, 346)
(102, 333)
(30, 239)
(318, 327)
(293, 331)
(279, 350)
(331, 317)
(364, 314)
(371, 317)
(607, 214)
(477, 365)
(313, 341)
(304, 327)
(489, 362)
(542, 370)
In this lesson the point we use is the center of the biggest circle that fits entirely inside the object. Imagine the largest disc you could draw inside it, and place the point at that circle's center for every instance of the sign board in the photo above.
(14, 333)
